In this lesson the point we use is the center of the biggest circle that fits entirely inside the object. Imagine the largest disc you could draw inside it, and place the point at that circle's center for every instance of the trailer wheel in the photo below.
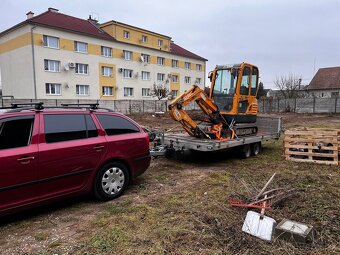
(246, 151)
(256, 148)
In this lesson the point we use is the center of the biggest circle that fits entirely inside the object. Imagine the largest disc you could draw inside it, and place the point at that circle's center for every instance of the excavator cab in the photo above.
(233, 90)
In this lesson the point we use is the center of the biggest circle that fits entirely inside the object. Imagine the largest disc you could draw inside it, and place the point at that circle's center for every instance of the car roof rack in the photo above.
(93, 106)
(37, 105)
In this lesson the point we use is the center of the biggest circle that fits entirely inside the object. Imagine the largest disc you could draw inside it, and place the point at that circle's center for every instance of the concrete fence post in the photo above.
(314, 104)
(155, 106)
(295, 105)
(114, 105)
(130, 106)
(143, 105)
(263, 105)
(335, 104)
(278, 105)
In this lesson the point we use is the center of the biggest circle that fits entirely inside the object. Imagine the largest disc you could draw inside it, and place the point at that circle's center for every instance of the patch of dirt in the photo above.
(180, 206)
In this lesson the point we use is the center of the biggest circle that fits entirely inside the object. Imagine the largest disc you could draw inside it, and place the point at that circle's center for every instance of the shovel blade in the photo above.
(261, 228)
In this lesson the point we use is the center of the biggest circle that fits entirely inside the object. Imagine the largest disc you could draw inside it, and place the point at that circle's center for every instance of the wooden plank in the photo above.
(307, 140)
(314, 161)
(313, 154)
(302, 146)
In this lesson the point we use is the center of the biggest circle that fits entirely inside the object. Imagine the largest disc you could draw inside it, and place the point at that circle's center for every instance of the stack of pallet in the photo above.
(316, 145)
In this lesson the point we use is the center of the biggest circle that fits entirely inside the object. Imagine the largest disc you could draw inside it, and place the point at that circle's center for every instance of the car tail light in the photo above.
(147, 139)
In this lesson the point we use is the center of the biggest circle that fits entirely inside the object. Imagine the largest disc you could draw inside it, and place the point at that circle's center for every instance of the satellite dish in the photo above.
(66, 67)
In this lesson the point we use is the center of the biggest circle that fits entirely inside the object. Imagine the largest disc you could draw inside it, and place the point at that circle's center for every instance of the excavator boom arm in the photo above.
(194, 94)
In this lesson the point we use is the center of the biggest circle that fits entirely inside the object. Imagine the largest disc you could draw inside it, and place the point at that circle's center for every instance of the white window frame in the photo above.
(82, 89)
(146, 58)
(126, 34)
(160, 77)
(145, 76)
(127, 55)
(173, 94)
(174, 61)
(106, 51)
(129, 91)
(144, 39)
(46, 40)
(84, 68)
(127, 73)
(187, 65)
(76, 47)
(160, 43)
(148, 92)
(107, 71)
(198, 67)
(160, 61)
(106, 89)
(187, 79)
(173, 80)
(57, 86)
(55, 64)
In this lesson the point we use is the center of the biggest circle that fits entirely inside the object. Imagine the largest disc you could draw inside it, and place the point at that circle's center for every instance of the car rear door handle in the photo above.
(98, 147)
(25, 160)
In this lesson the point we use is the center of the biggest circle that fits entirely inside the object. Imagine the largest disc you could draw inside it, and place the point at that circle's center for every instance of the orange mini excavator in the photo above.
(231, 105)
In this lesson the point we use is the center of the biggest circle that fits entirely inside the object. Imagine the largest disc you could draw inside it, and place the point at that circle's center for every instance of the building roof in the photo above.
(178, 50)
(326, 78)
(62, 21)
(52, 18)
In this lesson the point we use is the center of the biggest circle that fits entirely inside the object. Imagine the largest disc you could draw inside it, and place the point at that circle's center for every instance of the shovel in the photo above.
(258, 225)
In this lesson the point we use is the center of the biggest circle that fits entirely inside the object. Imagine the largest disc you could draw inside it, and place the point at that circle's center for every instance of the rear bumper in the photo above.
(140, 165)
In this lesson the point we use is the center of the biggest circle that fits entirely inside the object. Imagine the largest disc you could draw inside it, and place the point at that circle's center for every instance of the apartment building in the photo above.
(57, 56)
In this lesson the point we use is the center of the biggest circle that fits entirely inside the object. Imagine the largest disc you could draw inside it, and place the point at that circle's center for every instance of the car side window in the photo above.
(115, 125)
(64, 127)
(16, 132)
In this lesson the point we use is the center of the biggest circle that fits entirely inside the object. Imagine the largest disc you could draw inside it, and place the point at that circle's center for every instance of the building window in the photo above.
(80, 47)
(53, 89)
(187, 65)
(187, 79)
(174, 63)
(144, 39)
(128, 92)
(160, 61)
(127, 55)
(82, 68)
(82, 90)
(106, 52)
(127, 73)
(145, 76)
(160, 77)
(52, 65)
(146, 92)
(174, 78)
(198, 67)
(160, 42)
(107, 91)
(198, 81)
(145, 58)
(174, 93)
(51, 42)
(107, 71)
(126, 34)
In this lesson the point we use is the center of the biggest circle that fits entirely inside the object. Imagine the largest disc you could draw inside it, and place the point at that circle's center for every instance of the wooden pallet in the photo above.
(312, 145)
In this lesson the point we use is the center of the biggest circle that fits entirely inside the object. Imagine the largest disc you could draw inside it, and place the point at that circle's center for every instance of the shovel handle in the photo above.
(263, 208)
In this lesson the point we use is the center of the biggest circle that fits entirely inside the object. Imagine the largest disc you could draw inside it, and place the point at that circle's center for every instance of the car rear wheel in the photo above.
(111, 181)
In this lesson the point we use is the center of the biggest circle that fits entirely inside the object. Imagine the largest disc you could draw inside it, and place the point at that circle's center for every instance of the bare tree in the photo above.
(160, 90)
(289, 86)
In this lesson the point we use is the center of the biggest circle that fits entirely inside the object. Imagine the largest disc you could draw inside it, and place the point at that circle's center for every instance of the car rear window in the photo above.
(115, 125)
(67, 127)
(15, 132)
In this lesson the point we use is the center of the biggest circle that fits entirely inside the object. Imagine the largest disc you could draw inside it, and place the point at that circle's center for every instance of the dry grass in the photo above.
(180, 207)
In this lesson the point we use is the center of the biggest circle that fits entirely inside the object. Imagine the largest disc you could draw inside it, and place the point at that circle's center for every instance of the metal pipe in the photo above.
(33, 63)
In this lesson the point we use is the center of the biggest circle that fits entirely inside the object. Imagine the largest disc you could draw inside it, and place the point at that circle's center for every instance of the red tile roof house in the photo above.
(56, 56)
(325, 83)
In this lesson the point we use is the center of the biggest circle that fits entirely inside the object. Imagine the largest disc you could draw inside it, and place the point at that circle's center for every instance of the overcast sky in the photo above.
(280, 37)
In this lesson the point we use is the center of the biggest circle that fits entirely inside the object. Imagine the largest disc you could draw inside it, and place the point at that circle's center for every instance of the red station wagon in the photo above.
(52, 153)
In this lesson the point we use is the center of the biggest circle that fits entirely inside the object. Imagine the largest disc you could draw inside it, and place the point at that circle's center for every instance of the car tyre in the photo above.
(111, 181)
(246, 151)
(255, 148)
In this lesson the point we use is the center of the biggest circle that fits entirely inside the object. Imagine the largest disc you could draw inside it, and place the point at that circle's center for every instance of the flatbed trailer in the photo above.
(269, 128)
